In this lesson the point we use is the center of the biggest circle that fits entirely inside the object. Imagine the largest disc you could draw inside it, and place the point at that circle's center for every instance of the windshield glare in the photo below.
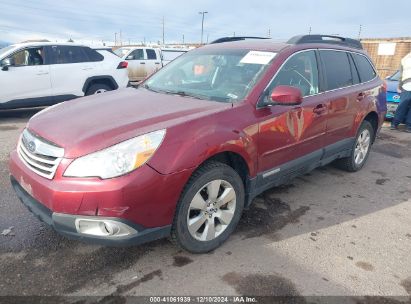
(121, 52)
(219, 75)
(5, 50)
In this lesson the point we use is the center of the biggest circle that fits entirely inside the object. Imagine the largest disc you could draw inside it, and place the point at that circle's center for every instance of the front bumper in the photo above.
(65, 224)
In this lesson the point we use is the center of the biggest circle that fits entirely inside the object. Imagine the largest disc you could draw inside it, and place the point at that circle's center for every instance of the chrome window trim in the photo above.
(327, 91)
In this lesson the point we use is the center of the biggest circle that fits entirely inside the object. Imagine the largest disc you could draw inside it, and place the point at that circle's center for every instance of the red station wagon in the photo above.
(187, 151)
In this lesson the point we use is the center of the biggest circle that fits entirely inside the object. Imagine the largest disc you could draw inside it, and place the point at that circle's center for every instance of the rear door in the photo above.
(69, 70)
(137, 69)
(342, 93)
(27, 81)
(153, 63)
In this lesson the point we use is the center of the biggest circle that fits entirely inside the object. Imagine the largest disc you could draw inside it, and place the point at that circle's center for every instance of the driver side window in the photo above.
(137, 54)
(27, 57)
(299, 71)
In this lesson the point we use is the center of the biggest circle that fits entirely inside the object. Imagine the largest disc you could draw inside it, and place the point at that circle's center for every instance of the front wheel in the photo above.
(361, 149)
(209, 208)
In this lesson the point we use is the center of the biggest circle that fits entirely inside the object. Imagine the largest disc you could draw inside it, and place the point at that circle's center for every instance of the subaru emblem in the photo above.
(31, 146)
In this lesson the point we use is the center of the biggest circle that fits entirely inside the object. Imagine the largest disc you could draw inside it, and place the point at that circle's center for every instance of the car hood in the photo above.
(95, 122)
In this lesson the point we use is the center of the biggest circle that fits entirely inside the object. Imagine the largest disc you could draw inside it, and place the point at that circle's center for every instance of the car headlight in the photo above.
(119, 159)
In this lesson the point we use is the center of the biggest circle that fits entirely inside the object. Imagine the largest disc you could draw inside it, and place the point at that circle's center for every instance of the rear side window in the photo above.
(68, 54)
(151, 54)
(93, 55)
(364, 67)
(337, 69)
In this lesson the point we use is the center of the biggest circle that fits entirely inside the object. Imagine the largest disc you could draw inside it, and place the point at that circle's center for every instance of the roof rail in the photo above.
(329, 39)
(236, 38)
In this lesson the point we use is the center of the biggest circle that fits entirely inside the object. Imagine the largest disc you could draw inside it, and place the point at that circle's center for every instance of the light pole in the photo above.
(202, 24)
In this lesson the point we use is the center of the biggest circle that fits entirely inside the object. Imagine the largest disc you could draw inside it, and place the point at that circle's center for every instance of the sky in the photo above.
(96, 22)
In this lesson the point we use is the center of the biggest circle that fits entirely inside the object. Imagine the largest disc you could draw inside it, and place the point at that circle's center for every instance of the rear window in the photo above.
(151, 54)
(364, 67)
(93, 55)
(337, 69)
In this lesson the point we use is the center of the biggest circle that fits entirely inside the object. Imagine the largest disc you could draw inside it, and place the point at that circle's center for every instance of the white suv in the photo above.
(43, 73)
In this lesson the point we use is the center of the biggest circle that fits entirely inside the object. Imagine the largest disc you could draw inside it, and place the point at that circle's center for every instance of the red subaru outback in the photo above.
(187, 151)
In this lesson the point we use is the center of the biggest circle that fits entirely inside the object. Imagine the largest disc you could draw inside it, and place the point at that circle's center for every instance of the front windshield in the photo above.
(5, 50)
(121, 52)
(219, 75)
(395, 77)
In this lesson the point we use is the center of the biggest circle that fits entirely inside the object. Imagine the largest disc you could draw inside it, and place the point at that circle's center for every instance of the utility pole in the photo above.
(202, 24)
(309, 31)
(115, 39)
(207, 38)
(163, 30)
(359, 32)
(183, 38)
(121, 40)
(269, 33)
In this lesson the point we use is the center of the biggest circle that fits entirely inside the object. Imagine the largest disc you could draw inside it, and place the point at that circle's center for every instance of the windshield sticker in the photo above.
(256, 57)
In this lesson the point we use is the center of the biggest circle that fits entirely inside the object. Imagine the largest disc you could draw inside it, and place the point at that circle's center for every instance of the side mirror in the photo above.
(6, 63)
(285, 96)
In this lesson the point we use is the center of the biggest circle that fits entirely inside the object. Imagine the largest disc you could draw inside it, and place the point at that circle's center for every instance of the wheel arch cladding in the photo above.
(372, 118)
(104, 79)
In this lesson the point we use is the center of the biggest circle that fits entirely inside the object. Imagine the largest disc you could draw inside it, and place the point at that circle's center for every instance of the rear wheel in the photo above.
(98, 89)
(361, 149)
(209, 209)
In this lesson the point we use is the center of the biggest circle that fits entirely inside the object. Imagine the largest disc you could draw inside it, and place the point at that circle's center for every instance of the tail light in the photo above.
(122, 65)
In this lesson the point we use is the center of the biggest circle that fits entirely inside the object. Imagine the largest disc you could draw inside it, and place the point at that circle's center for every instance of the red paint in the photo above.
(196, 130)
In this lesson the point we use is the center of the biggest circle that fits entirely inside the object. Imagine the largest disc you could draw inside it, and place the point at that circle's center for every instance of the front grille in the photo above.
(38, 155)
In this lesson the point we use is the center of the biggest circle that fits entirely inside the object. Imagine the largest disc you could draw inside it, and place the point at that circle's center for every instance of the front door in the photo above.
(293, 136)
(137, 69)
(27, 81)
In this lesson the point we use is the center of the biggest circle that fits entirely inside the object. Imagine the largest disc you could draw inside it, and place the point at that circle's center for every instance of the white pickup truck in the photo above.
(144, 61)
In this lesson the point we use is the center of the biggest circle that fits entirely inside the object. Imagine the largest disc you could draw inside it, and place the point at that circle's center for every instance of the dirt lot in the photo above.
(326, 233)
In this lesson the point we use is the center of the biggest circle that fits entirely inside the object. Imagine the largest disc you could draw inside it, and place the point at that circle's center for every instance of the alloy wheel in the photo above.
(362, 146)
(211, 210)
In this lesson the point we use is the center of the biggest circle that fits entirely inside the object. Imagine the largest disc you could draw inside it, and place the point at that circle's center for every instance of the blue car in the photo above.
(393, 98)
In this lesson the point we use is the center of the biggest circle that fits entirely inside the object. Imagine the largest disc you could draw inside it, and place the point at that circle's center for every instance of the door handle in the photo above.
(320, 109)
(87, 68)
(42, 73)
(157, 62)
(361, 96)
(142, 63)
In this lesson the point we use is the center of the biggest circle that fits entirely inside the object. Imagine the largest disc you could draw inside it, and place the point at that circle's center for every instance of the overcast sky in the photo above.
(88, 20)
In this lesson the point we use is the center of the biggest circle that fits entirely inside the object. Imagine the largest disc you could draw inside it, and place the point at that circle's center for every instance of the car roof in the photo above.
(40, 43)
(270, 45)
(251, 44)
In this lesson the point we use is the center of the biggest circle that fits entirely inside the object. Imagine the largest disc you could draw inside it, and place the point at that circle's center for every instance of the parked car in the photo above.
(187, 151)
(393, 97)
(142, 61)
(43, 73)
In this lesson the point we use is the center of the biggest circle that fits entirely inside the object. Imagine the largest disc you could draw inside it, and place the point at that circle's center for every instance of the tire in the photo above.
(98, 88)
(192, 207)
(349, 163)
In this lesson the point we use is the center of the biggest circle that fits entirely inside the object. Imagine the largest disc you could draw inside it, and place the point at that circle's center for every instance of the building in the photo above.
(387, 53)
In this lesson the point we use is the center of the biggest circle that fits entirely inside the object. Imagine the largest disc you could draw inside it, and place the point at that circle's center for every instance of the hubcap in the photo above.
(211, 210)
(100, 91)
(362, 146)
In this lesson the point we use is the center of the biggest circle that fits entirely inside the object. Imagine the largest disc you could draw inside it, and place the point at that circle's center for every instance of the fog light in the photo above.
(103, 227)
